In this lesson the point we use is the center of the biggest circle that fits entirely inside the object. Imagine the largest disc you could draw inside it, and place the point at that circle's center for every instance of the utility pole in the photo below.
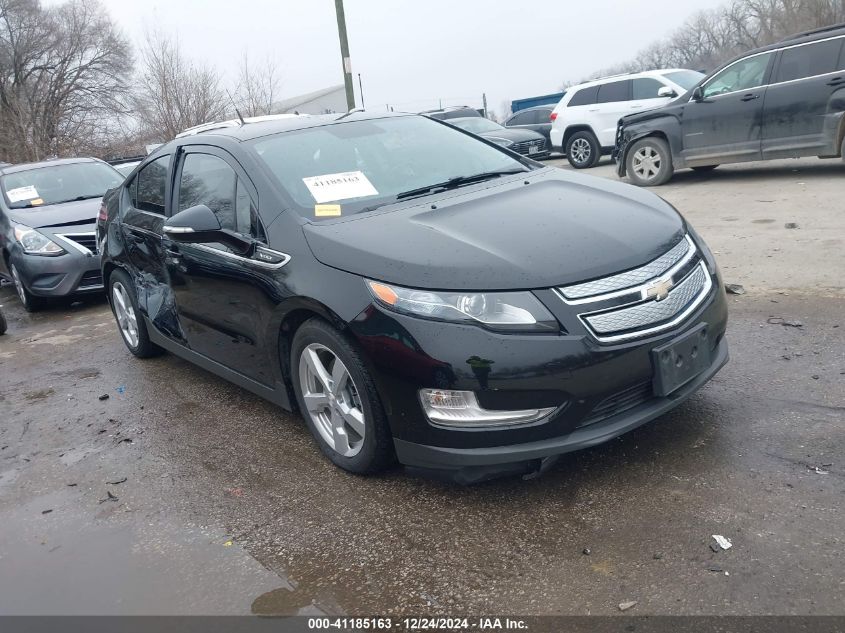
(484, 100)
(361, 88)
(344, 53)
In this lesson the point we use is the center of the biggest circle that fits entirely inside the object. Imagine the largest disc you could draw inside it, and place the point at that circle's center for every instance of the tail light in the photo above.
(104, 213)
(552, 116)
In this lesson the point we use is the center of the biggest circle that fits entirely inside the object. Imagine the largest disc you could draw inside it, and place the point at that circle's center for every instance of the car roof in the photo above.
(257, 129)
(598, 81)
(545, 106)
(11, 169)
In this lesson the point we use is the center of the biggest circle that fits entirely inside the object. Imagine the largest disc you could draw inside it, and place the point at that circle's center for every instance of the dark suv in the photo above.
(782, 101)
(417, 292)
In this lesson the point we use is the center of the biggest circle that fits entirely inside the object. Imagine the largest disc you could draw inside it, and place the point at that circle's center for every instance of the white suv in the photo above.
(584, 121)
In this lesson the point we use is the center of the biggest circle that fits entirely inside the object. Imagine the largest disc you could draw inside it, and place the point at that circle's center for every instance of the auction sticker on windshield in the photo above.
(331, 187)
(22, 193)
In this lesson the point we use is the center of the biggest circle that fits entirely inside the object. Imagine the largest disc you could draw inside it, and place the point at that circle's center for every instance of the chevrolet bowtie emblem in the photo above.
(658, 290)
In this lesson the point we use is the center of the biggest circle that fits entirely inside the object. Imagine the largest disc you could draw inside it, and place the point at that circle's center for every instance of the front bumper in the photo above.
(59, 276)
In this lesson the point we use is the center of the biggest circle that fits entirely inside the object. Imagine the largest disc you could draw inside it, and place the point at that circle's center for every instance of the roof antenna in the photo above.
(234, 105)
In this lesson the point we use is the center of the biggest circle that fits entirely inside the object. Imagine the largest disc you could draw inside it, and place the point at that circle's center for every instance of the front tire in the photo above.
(649, 162)
(30, 302)
(130, 323)
(583, 150)
(339, 401)
(3, 324)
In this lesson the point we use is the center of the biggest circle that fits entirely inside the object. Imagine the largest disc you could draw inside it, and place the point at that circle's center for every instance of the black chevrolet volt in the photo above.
(419, 294)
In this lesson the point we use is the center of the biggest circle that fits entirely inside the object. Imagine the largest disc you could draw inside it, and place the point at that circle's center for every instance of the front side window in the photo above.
(56, 184)
(614, 91)
(743, 75)
(686, 79)
(209, 180)
(147, 191)
(350, 167)
(809, 60)
(646, 88)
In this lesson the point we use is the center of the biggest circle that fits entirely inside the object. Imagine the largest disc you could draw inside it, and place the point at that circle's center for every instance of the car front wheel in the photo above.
(649, 162)
(133, 329)
(338, 400)
(583, 150)
(31, 303)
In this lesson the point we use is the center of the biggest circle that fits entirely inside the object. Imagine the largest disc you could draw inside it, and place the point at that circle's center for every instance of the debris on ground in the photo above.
(105, 396)
(227, 543)
(735, 289)
(815, 376)
(47, 511)
(121, 389)
(117, 482)
(657, 556)
(819, 470)
(790, 225)
(722, 542)
(784, 322)
(109, 497)
(715, 568)
(235, 492)
(624, 606)
(586, 551)
(72, 485)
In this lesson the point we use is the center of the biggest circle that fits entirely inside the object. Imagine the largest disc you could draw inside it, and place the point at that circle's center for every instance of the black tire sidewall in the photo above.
(595, 150)
(33, 303)
(376, 453)
(3, 324)
(666, 167)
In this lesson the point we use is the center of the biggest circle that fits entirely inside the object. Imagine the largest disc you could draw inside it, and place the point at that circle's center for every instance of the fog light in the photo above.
(461, 408)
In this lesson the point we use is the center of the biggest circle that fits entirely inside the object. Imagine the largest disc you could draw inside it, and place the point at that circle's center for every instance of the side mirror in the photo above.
(698, 94)
(198, 224)
(666, 91)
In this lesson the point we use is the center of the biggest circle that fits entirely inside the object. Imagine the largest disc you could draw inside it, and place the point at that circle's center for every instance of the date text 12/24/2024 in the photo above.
(417, 624)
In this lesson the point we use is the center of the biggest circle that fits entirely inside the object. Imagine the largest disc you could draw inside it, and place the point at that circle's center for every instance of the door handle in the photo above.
(836, 81)
(750, 97)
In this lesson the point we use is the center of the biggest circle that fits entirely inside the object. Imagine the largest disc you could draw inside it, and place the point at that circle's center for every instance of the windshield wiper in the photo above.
(78, 198)
(458, 181)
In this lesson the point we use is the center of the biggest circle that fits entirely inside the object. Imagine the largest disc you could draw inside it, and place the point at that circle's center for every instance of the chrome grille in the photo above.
(85, 242)
(650, 315)
(523, 147)
(630, 278)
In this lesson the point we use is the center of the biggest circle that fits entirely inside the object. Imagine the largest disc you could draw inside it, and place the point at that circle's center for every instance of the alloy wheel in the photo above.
(18, 285)
(647, 162)
(332, 399)
(125, 314)
(580, 150)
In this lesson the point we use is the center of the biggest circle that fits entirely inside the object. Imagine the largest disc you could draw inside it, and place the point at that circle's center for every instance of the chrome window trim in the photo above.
(778, 83)
(705, 292)
(640, 288)
(247, 260)
(66, 238)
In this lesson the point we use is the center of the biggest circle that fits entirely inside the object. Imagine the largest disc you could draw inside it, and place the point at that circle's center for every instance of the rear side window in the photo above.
(809, 60)
(147, 192)
(646, 88)
(211, 181)
(615, 91)
(523, 118)
(585, 96)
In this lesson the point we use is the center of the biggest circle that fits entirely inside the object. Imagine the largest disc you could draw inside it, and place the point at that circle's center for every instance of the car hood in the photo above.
(66, 214)
(514, 134)
(559, 229)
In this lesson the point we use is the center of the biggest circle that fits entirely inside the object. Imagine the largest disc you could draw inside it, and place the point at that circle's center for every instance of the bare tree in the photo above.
(175, 93)
(63, 74)
(711, 37)
(258, 85)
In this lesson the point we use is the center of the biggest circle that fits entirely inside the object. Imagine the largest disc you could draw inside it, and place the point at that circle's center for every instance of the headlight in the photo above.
(500, 141)
(34, 243)
(503, 311)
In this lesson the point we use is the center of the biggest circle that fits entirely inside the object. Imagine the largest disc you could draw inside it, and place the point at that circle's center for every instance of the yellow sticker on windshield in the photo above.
(36, 202)
(327, 210)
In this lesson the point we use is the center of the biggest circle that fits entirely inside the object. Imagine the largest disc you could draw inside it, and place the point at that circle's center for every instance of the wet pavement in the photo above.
(223, 504)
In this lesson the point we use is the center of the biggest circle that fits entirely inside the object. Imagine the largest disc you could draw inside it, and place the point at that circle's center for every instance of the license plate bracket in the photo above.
(680, 360)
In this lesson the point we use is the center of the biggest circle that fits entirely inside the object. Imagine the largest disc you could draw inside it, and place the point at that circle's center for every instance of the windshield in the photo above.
(476, 125)
(686, 79)
(350, 167)
(43, 186)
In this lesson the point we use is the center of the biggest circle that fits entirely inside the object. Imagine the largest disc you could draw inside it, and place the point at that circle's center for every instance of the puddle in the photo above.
(67, 562)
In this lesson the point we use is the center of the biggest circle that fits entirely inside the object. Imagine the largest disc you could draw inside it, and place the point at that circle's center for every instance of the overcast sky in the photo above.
(411, 53)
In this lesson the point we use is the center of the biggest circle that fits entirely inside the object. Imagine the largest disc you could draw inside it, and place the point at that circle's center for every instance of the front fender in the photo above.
(666, 127)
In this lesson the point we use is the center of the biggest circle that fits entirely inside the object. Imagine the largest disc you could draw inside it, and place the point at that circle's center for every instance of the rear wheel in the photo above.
(133, 329)
(649, 162)
(338, 400)
(2, 323)
(704, 168)
(31, 302)
(583, 150)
